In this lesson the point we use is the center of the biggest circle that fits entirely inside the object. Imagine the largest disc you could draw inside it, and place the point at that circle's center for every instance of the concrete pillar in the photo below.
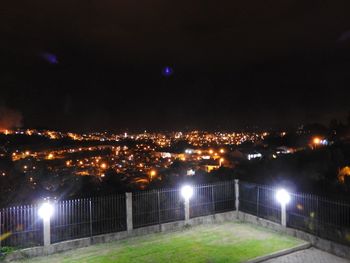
(47, 232)
(237, 196)
(187, 210)
(128, 199)
(283, 214)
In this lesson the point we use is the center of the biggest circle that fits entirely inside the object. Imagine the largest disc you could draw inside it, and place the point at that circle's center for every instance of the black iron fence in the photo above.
(88, 217)
(319, 216)
(260, 201)
(21, 226)
(212, 198)
(157, 207)
(310, 213)
(167, 205)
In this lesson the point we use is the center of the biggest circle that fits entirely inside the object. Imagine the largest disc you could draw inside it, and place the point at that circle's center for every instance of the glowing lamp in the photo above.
(317, 140)
(187, 192)
(283, 197)
(45, 211)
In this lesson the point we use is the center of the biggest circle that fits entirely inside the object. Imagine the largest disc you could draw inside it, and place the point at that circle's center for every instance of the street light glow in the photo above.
(45, 211)
(317, 140)
(187, 192)
(282, 196)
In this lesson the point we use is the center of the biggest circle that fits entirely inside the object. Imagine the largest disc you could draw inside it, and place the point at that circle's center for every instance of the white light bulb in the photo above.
(283, 196)
(187, 192)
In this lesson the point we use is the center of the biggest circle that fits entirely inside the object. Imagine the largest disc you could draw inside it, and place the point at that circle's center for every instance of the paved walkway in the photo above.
(312, 255)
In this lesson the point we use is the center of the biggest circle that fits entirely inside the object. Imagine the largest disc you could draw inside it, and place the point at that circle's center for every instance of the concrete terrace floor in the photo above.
(311, 255)
(227, 242)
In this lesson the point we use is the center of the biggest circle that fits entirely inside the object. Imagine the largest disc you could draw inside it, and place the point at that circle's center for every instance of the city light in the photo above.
(282, 196)
(317, 140)
(204, 148)
(187, 192)
(152, 174)
(45, 211)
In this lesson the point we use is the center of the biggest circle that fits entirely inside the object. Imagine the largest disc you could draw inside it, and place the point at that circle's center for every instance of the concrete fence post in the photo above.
(187, 210)
(47, 231)
(237, 196)
(283, 214)
(128, 199)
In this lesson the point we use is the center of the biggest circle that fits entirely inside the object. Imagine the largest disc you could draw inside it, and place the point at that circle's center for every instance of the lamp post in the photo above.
(283, 197)
(187, 192)
(45, 212)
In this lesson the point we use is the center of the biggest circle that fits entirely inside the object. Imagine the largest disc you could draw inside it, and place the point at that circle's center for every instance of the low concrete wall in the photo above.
(323, 244)
(84, 242)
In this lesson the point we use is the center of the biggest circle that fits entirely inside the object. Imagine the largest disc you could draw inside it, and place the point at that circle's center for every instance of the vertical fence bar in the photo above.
(257, 201)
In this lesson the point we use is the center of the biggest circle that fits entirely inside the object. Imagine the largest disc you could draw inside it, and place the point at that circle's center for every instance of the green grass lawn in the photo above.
(228, 242)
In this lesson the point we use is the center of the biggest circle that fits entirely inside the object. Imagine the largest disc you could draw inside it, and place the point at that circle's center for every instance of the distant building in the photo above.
(284, 150)
(191, 172)
(209, 165)
(246, 154)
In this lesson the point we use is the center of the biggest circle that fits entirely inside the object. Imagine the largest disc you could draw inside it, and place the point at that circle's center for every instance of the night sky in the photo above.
(96, 64)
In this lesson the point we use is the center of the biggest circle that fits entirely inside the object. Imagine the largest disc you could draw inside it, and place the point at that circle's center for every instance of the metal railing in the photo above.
(167, 205)
(329, 219)
(88, 217)
(157, 207)
(212, 198)
(319, 216)
(21, 226)
(260, 201)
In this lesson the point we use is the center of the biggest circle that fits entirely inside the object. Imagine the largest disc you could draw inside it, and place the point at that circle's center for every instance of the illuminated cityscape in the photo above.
(50, 160)
(127, 118)
(148, 153)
